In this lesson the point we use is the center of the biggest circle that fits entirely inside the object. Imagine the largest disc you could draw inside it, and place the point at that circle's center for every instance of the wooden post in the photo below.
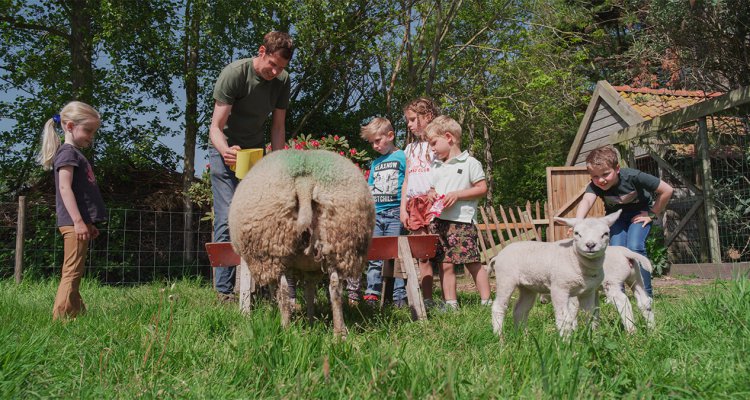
(712, 220)
(20, 228)
(247, 287)
(416, 303)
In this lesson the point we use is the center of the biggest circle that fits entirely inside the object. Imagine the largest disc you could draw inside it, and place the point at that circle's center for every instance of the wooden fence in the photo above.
(514, 224)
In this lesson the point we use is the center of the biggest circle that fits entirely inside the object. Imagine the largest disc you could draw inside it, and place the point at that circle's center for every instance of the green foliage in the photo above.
(656, 250)
(173, 340)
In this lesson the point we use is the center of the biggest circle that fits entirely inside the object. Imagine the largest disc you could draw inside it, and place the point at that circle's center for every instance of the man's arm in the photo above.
(216, 132)
(278, 128)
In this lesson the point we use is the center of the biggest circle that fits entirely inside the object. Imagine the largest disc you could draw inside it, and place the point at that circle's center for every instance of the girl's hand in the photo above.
(643, 218)
(230, 155)
(81, 230)
(450, 199)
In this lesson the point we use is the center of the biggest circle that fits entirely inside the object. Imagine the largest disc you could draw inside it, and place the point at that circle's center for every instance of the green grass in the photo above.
(175, 341)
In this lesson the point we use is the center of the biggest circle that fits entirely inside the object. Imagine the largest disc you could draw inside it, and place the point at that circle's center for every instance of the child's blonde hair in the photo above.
(442, 124)
(605, 156)
(378, 126)
(76, 112)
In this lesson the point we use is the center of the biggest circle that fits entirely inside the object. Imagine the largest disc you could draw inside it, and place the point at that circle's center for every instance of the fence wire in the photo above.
(729, 157)
(134, 246)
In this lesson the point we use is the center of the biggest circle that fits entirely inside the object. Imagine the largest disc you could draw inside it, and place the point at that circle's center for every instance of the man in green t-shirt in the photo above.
(246, 93)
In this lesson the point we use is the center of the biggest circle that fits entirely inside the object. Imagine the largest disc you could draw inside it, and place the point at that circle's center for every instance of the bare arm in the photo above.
(663, 194)
(216, 133)
(69, 200)
(404, 216)
(278, 128)
(587, 201)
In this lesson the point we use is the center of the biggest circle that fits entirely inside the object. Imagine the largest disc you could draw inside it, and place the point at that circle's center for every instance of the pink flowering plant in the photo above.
(336, 143)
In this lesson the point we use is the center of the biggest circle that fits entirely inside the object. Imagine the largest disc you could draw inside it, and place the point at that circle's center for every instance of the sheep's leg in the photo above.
(561, 302)
(500, 305)
(310, 291)
(282, 297)
(644, 301)
(334, 287)
(587, 302)
(525, 301)
(617, 297)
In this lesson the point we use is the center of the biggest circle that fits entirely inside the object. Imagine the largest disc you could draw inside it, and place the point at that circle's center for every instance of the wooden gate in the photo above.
(565, 188)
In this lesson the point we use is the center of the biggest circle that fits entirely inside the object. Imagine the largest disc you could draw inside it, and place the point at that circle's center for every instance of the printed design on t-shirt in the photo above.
(90, 174)
(385, 182)
(628, 198)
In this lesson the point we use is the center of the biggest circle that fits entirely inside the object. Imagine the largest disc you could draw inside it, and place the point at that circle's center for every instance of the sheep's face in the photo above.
(590, 235)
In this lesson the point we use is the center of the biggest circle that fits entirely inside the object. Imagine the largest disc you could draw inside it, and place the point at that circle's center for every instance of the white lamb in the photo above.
(621, 267)
(304, 213)
(570, 270)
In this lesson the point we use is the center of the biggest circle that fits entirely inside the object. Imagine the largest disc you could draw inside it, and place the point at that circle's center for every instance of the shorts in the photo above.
(457, 242)
(418, 211)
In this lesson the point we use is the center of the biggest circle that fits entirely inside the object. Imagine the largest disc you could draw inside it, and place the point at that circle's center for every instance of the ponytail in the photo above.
(75, 111)
(50, 144)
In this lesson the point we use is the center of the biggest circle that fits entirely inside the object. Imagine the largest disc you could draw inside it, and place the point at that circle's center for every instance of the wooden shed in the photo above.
(613, 108)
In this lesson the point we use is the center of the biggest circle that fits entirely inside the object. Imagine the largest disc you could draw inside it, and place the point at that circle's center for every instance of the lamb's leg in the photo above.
(310, 290)
(561, 302)
(334, 287)
(645, 303)
(500, 305)
(587, 303)
(525, 301)
(616, 296)
(282, 297)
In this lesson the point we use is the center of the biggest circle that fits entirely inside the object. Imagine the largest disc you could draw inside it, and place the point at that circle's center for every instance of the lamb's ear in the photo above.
(568, 221)
(611, 218)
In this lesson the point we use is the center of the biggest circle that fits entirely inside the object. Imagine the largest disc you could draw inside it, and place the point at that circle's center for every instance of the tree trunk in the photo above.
(81, 50)
(487, 161)
(192, 46)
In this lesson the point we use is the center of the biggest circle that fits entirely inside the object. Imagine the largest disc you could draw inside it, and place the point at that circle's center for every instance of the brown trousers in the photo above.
(68, 302)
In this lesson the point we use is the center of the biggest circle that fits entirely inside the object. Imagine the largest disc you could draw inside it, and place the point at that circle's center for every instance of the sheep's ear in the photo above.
(611, 218)
(568, 221)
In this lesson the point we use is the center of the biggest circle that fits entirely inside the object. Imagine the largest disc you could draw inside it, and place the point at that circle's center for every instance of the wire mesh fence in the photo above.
(135, 246)
(718, 176)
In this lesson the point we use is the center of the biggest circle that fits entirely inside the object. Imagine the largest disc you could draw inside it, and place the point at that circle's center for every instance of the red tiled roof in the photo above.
(652, 103)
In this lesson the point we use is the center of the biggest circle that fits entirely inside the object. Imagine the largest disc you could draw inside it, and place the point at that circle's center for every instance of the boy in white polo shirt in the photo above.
(458, 181)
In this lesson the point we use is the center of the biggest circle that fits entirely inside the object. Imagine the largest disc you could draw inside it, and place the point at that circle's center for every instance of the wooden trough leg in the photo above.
(416, 303)
(247, 287)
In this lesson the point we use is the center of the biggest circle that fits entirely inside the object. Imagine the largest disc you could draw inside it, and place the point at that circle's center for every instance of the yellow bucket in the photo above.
(246, 158)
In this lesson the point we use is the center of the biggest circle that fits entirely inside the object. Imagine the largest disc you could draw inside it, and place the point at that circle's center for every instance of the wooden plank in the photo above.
(515, 224)
(386, 247)
(605, 124)
(507, 225)
(711, 270)
(247, 288)
(619, 105)
(712, 219)
(221, 254)
(665, 165)
(583, 128)
(490, 239)
(731, 99)
(497, 226)
(416, 303)
(20, 229)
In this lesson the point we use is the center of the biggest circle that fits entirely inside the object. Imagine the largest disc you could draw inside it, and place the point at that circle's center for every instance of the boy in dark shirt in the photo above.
(629, 190)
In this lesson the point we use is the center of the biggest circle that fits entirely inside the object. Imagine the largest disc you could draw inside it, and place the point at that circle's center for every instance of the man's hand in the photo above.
(230, 155)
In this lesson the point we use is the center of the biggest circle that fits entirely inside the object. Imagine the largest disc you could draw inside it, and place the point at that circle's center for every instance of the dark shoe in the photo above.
(226, 298)
(401, 303)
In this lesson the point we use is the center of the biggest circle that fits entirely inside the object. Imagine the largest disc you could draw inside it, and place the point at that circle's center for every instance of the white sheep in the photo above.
(303, 213)
(569, 270)
(621, 267)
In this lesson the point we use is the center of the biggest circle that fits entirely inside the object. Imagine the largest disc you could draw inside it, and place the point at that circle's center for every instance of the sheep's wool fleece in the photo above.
(271, 231)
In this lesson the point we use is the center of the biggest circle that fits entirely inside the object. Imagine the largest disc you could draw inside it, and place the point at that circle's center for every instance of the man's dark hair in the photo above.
(279, 43)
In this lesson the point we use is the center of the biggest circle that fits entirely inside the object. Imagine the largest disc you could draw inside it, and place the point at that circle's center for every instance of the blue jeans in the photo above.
(633, 236)
(387, 223)
(223, 185)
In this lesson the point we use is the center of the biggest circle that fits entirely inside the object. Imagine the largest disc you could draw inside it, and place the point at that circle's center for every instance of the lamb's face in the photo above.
(591, 235)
